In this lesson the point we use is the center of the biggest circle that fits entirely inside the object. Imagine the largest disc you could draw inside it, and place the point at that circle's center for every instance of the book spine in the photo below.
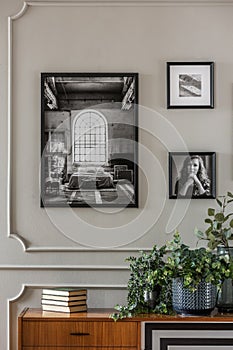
(64, 309)
(64, 293)
(64, 298)
(62, 303)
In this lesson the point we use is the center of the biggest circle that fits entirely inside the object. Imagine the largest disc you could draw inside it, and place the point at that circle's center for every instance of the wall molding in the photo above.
(77, 3)
(10, 233)
(64, 267)
(140, 3)
(84, 249)
(24, 286)
(54, 249)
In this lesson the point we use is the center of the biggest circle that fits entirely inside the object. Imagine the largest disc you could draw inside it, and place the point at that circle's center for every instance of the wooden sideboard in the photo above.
(94, 330)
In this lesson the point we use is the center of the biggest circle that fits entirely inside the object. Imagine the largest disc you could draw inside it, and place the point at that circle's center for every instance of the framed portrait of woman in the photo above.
(192, 175)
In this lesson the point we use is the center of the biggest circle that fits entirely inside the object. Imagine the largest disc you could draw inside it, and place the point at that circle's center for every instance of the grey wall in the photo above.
(87, 247)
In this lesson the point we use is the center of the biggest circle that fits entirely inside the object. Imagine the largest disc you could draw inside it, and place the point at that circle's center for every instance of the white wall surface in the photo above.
(83, 246)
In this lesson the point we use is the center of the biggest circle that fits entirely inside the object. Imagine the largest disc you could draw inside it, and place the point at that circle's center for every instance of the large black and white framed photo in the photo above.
(190, 85)
(192, 175)
(89, 139)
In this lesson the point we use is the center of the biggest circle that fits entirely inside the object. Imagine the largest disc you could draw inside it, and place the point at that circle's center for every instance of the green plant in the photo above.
(220, 230)
(195, 265)
(146, 274)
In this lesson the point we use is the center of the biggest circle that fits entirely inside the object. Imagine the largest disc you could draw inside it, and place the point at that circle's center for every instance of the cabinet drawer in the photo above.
(73, 333)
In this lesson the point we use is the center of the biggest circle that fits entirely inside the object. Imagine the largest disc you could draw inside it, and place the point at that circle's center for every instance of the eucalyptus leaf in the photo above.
(211, 212)
(208, 231)
(219, 217)
(231, 223)
(227, 233)
(211, 237)
(215, 225)
(227, 217)
(199, 233)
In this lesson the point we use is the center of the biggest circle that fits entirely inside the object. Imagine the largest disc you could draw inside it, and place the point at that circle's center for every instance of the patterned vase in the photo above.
(200, 302)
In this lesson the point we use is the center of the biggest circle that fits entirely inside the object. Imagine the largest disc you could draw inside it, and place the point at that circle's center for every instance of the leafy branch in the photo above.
(220, 230)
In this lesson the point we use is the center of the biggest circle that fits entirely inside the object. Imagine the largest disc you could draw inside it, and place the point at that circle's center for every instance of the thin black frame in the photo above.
(212, 156)
(184, 326)
(45, 75)
(169, 84)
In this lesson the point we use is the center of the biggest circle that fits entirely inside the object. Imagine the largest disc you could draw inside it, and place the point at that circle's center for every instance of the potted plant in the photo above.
(196, 274)
(148, 287)
(219, 235)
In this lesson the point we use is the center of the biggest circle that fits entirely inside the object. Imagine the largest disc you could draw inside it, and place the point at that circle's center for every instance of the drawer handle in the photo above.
(79, 334)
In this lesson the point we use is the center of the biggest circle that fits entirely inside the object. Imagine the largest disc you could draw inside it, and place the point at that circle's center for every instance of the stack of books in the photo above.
(64, 300)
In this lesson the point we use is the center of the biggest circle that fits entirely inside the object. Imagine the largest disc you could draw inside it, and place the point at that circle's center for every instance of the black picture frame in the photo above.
(190, 85)
(181, 171)
(89, 139)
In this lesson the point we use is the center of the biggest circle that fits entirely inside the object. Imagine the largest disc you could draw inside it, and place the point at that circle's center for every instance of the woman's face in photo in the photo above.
(193, 166)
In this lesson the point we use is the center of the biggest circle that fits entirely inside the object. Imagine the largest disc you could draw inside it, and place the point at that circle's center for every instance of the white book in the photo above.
(64, 291)
(63, 297)
(62, 303)
(67, 309)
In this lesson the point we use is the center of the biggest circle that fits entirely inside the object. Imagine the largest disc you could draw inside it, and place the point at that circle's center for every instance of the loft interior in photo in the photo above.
(89, 139)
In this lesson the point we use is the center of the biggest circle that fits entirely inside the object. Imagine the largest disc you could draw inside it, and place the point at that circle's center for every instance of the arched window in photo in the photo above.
(90, 138)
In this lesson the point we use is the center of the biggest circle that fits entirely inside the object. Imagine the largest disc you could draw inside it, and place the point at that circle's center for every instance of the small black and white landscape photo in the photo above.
(190, 85)
(89, 135)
